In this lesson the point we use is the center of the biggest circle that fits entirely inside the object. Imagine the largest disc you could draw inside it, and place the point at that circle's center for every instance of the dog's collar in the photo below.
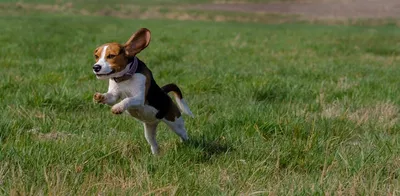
(128, 75)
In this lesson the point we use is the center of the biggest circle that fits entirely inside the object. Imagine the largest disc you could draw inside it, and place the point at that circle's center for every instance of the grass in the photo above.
(174, 10)
(282, 109)
(141, 2)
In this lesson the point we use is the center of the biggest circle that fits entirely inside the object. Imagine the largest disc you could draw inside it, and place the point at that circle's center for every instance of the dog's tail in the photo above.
(178, 98)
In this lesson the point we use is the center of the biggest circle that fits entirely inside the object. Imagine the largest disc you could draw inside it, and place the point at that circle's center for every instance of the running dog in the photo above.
(132, 88)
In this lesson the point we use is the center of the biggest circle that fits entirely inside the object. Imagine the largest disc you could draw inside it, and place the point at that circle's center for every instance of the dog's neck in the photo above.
(128, 72)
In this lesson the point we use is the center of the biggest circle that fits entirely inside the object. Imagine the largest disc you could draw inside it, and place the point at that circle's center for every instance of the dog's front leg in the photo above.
(130, 102)
(109, 98)
(105, 98)
(137, 98)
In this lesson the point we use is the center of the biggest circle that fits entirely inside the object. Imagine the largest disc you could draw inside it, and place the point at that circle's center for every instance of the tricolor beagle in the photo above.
(132, 82)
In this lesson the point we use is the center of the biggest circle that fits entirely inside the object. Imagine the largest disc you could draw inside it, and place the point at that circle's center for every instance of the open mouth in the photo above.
(113, 71)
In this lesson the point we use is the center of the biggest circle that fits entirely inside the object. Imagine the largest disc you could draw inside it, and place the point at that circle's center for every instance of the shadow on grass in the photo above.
(208, 148)
(270, 93)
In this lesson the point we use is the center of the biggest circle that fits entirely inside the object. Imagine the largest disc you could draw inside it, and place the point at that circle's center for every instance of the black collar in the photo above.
(133, 65)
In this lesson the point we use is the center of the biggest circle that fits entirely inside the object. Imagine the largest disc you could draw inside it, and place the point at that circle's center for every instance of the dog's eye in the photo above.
(95, 56)
(110, 56)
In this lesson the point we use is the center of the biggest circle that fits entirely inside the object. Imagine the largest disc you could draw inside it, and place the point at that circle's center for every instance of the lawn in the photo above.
(280, 109)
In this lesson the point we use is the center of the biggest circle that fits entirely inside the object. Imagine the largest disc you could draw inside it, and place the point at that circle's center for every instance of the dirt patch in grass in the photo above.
(338, 9)
(371, 12)
(145, 12)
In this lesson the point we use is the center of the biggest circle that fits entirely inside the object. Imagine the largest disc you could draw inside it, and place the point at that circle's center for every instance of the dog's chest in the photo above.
(128, 88)
(136, 88)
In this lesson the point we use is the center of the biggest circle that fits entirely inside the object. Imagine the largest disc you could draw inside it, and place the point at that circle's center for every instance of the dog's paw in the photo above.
(117, 109)
(99, 98)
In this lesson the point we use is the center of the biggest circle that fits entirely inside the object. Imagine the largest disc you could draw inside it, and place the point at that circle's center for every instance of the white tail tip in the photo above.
(184, 107)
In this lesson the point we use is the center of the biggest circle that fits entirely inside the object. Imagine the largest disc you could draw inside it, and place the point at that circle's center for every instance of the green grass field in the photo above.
(281, 109)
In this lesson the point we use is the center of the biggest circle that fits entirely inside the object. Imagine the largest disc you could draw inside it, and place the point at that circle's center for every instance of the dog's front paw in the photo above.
(99, 98)
(117, 109)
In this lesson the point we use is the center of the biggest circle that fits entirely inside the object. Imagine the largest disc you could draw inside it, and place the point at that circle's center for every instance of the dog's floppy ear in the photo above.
(137, 42)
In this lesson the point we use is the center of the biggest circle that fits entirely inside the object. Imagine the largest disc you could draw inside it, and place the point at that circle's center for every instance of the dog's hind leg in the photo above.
(150, 132)
(178, 126)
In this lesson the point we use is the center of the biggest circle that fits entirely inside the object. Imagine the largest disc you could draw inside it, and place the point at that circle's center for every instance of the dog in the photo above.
(131, 82)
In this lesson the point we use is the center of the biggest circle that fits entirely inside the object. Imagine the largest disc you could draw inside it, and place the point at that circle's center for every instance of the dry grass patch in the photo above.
(183, 13)
(191, 12)
(333, 110)
(45, 7)
(315, 9)
(384, 114)
(344, 84)
(54, 135)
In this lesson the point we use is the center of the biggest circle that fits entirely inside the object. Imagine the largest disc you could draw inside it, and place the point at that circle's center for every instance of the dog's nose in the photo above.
(96, 68)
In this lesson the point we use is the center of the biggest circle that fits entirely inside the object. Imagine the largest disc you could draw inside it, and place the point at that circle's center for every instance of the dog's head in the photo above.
(112, 58)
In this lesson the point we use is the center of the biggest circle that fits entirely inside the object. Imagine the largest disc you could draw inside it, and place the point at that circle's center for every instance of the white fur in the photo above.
(183, 106)
(132, 93)
(105, 66)
(178, 126)
(150, 132)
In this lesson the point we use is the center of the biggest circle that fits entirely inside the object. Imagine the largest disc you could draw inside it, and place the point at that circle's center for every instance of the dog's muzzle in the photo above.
(96, 68)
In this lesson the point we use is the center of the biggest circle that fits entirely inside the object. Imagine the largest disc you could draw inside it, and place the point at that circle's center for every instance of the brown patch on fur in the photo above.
(97, 52)
(98, 98)
(137, 42)
(173, 113)
(116, 57)
(172, 88)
